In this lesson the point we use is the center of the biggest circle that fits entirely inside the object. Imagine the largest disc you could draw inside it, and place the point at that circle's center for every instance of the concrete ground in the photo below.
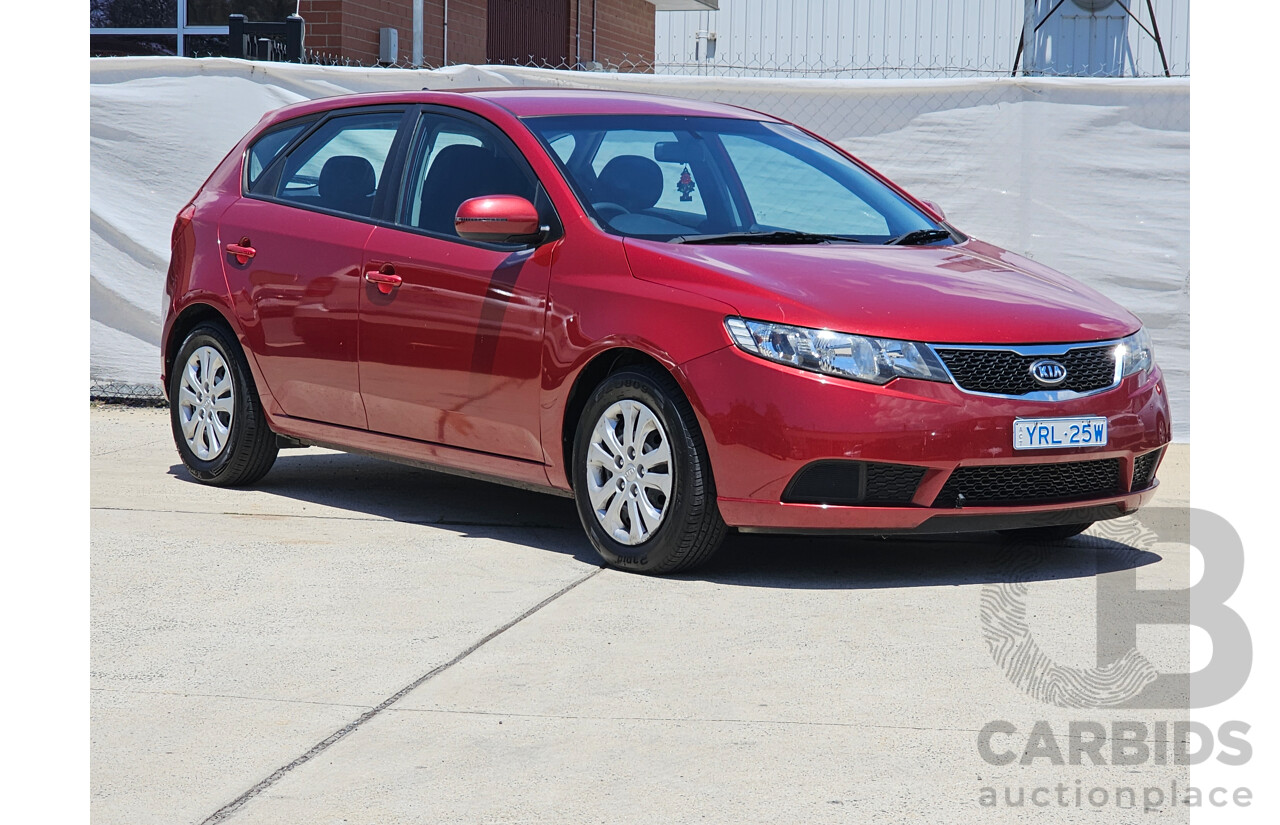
(357, 641)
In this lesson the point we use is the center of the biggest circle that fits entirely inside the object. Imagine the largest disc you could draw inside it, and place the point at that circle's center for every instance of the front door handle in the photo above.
(243, 251)
(385, 278)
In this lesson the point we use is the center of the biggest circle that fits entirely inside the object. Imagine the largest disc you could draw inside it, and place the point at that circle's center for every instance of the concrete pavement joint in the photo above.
(228, 810)
(731, 721)
(663, 719)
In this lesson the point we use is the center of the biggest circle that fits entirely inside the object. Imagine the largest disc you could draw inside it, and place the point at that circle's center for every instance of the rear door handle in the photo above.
(385, 278)
(242, 251)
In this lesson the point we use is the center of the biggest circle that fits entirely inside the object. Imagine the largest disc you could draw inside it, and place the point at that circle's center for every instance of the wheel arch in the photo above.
(595, 372)
(191, 317)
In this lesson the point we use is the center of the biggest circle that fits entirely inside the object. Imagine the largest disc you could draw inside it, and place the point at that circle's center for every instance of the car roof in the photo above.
(527, 102)
(534, 102)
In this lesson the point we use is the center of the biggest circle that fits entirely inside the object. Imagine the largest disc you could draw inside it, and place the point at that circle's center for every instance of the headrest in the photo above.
(347, 177)
(631, 181)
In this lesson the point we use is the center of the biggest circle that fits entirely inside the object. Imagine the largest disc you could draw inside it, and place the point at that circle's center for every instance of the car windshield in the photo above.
(725, 180)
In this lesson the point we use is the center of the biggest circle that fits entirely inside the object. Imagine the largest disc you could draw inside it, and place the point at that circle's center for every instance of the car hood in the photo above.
(967, 293)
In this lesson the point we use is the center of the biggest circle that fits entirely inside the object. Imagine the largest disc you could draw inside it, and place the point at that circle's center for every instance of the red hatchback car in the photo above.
(688, 317)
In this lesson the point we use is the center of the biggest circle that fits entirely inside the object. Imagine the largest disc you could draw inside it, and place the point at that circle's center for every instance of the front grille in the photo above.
(1030, 483)
(853, 483)
(1004, 372)
(1144, 469)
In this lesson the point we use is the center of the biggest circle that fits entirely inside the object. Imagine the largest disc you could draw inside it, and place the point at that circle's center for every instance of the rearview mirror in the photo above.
(935, 209)
(673, 151)
(497, 219)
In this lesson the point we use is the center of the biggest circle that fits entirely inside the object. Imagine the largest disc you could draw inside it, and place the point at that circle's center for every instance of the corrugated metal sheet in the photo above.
(921, 38)
(528, 32)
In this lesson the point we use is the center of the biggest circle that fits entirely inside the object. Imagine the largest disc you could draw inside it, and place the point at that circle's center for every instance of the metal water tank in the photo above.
(1093, 5)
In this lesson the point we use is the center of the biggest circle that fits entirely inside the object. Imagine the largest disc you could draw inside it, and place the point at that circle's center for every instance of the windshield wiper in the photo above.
(782, 236)
(919, 236)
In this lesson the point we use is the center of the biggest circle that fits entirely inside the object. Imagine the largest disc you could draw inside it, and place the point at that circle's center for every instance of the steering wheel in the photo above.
(608, 210)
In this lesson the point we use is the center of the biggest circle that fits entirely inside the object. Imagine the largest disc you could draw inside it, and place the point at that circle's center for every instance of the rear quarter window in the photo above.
(267, 148)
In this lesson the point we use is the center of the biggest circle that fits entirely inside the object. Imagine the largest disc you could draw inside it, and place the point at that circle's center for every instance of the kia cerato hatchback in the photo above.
(688, 317)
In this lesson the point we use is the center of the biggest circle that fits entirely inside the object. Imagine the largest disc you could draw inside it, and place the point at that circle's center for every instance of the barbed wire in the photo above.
(737, 66)
(133, 395)
(723, 66)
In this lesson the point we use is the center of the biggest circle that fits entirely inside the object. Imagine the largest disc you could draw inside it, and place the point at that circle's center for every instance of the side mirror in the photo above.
(497, 219)
(937, 210)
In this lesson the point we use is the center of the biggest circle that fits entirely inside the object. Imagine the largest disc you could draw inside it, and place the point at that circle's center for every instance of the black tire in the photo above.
(249, 449)
(691, 529)
(1048, 533)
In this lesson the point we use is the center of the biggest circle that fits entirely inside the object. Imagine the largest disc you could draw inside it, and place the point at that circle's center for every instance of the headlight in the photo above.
(874, 360)
(1135, 353)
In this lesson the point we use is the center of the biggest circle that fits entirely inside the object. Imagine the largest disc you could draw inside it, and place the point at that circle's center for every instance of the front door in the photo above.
(452, 354)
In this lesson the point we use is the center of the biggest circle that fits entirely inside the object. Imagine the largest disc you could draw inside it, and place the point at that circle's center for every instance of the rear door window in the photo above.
(340, 166)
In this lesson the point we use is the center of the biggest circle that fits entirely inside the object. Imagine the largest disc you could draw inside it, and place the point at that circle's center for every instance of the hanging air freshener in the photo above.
(686, 185)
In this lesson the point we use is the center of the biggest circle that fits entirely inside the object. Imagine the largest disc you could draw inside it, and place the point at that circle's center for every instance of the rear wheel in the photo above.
(641, 476)
(1049, 533)
(218, 424)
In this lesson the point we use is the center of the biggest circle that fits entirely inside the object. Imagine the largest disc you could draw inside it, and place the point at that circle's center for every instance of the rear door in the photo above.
(305, 220)
(452, 355)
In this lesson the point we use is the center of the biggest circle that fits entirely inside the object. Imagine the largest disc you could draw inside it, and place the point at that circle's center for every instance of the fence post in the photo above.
(235, 35)
(294, 29)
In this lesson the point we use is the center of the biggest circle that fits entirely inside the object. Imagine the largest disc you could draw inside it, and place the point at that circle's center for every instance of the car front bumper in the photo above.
(764, 422)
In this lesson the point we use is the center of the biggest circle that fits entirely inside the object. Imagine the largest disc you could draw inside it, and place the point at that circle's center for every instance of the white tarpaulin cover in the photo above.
(1091, 177)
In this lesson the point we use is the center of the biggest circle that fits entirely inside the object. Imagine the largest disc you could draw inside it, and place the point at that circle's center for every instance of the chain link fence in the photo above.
(1089, 177)
(752, 66)
(737, 66)
(133, 395)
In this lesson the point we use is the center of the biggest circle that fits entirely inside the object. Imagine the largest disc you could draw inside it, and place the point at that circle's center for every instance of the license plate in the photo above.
(1059, 433)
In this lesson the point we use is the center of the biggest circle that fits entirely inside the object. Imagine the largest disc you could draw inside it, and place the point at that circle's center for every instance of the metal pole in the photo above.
(593, 31)
(1135, 19)
(1159, 42)
(1056, 6)
(182, 24)
(417, 34)
(577, 35)
(445, 58)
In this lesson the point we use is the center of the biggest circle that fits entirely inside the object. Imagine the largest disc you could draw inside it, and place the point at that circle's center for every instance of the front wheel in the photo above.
(641, 476)
(218, 424)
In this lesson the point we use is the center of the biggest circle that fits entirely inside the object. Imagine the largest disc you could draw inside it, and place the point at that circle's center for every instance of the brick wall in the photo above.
(349, 29)
(468, 31)
(624, 29)
(324, 25)
(361, 20)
